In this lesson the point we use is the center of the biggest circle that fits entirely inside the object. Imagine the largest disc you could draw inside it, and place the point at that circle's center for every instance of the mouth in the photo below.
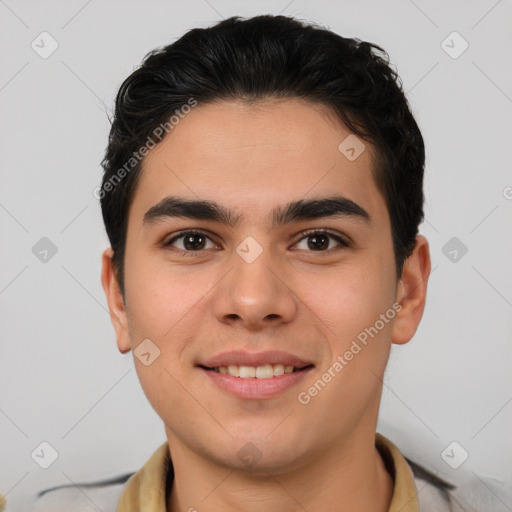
(255, 376)
(265, 371)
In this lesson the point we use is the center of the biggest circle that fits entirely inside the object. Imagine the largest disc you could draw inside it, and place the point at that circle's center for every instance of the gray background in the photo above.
(62, 379)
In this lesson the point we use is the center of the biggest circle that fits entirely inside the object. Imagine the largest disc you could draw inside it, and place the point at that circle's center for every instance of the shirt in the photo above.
(415, 489)
(147, 489)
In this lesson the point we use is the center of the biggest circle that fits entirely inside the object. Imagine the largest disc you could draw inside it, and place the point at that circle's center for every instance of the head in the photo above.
(267, 130)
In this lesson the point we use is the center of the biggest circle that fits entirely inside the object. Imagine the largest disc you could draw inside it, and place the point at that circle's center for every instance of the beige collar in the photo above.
(146, 489)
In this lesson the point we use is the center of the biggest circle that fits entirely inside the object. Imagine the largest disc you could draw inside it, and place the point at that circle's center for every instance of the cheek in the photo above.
(165, 391)
(348, 300)
(158, 302)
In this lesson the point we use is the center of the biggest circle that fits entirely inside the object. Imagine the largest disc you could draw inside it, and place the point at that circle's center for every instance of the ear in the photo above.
(412, 292)
(115, 301)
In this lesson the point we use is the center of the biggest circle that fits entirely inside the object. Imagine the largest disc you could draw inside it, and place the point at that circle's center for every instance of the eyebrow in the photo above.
(301, 210)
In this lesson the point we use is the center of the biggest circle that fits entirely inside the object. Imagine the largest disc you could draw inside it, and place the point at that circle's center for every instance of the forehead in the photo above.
(254, 156)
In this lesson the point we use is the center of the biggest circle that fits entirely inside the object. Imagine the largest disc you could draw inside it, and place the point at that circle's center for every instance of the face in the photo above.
(264, 284)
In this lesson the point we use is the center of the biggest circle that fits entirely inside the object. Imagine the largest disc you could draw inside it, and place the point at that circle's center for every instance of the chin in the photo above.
(258, 461)
(263, 451)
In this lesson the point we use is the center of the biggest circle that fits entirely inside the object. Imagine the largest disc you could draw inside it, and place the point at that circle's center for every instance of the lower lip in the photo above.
(253, 388)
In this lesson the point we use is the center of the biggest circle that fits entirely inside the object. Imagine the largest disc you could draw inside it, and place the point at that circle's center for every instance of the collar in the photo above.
(147, 489)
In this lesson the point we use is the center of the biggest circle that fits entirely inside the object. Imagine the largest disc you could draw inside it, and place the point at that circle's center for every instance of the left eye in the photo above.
(320, 240)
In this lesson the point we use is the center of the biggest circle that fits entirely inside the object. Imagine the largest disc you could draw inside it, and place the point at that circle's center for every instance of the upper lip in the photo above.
(240, 358)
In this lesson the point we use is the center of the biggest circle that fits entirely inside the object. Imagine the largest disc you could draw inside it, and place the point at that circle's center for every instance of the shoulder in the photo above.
(100, 495)
(107, 494)
(477, 494)
(434, 493)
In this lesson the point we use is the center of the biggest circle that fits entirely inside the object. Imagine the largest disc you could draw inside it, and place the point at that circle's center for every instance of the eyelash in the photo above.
(304, 234)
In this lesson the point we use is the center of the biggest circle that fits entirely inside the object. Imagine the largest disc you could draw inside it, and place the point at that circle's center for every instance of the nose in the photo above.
(255, 294)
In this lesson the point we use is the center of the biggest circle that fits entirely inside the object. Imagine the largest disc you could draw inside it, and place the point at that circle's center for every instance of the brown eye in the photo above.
(190, 241)
(320, 240)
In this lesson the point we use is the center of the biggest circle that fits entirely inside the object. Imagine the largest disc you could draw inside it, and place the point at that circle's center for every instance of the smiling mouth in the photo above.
(266, 371)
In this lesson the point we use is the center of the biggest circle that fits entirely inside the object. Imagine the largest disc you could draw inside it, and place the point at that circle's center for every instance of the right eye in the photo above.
(191, 241)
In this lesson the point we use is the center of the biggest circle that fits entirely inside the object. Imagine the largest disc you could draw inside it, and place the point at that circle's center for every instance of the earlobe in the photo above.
(412, 291)
(115, 301)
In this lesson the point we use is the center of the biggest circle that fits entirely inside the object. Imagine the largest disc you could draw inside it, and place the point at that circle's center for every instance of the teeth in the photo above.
(260, 372)
(264, 372)
(247, 372)
(279, 369)
(234, 371)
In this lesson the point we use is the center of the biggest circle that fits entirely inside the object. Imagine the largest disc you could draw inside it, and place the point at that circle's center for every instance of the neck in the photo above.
(342, 480)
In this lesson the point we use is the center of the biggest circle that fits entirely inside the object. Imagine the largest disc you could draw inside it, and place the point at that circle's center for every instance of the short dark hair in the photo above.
(260, 58)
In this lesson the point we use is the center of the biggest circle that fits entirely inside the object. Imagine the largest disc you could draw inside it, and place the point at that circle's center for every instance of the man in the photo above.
(262, 196)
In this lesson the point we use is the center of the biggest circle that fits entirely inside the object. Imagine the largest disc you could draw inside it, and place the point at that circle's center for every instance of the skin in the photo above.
(293, 297)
